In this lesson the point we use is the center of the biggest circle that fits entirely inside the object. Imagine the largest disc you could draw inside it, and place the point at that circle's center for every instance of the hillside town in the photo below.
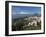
(33, 20)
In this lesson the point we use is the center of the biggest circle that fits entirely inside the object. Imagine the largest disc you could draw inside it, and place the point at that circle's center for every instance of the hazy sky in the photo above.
(25, 10)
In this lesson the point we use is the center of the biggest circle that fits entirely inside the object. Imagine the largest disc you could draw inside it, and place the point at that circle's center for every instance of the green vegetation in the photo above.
(21, 24)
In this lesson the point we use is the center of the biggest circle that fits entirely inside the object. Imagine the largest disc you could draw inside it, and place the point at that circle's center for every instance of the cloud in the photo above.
(24, 13)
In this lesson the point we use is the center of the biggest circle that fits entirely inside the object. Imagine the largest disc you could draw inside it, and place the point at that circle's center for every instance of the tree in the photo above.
(19, 25)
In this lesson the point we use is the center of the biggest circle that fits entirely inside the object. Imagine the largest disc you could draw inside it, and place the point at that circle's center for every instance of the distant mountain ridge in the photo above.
(24, 15)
